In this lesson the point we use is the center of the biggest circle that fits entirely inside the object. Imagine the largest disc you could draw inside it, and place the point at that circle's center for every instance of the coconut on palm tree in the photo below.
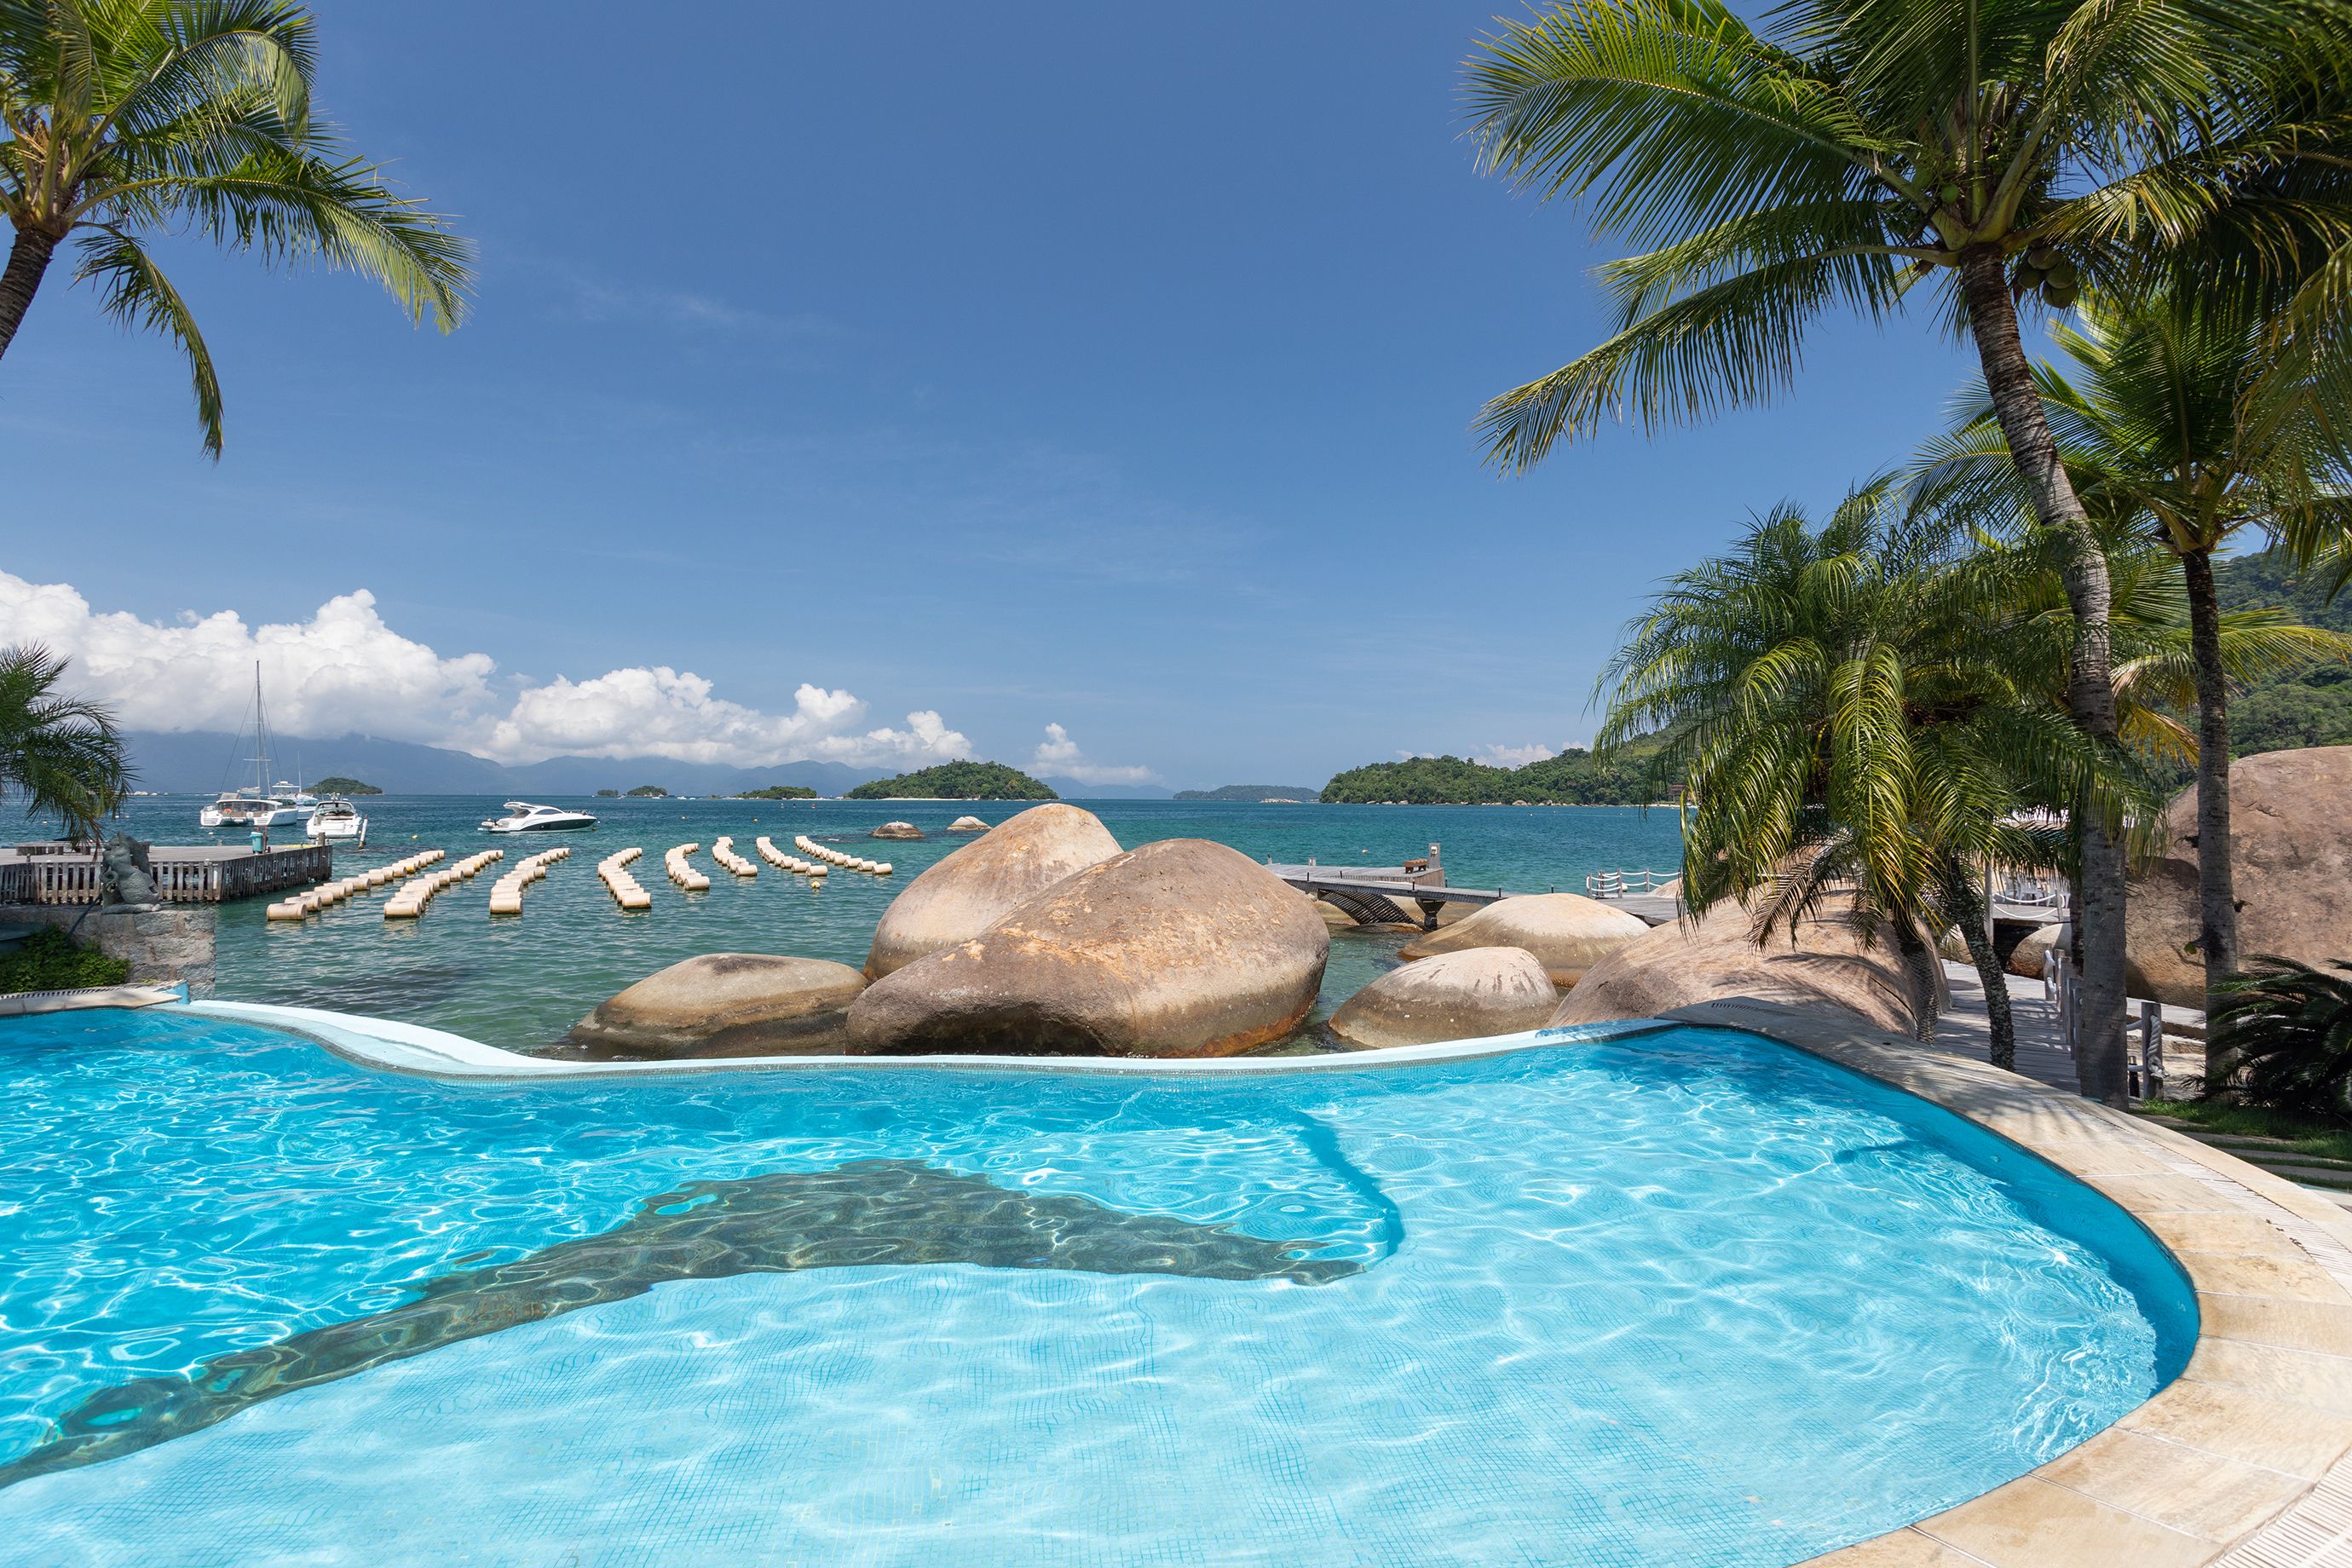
(2176, 426)
(2009, 150)
(125, 120)
(59, 756)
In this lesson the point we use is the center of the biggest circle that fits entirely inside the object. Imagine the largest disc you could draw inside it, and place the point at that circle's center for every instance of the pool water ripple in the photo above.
(1688, 1298)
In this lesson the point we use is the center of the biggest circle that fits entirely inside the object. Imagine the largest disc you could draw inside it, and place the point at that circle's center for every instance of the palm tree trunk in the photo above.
(1919, 956)
(27, 260)
(2217, 902)
(2100, 1058)
(1960, 898)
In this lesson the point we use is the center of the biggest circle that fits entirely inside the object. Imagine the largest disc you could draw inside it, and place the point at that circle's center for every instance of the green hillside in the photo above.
(1572, 778)
(1252, 793)
(957, 781)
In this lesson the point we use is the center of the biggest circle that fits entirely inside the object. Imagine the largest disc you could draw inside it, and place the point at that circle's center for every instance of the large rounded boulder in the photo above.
(1825, 966)
(1453, 996)
(1181, 948)
(986, 880)
(1568, 932)
(725, 1004)
(2291, 833)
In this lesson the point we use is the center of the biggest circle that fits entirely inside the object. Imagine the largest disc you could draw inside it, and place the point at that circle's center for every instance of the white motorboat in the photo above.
(522, 816)
(337, 820)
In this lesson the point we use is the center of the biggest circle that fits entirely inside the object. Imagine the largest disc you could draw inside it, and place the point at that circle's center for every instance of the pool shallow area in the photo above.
(1688, 1297)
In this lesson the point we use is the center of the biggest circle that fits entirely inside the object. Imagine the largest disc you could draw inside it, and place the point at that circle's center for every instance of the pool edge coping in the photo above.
(2242, 1461)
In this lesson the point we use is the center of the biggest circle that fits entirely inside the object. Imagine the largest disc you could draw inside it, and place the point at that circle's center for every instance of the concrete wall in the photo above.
(163, 941)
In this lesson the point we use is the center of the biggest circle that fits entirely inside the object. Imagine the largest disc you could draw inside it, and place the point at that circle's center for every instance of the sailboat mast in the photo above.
(261, 737)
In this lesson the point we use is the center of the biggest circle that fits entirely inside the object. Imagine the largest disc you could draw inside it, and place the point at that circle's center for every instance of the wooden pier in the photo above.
(183, 873)
(1410, 894)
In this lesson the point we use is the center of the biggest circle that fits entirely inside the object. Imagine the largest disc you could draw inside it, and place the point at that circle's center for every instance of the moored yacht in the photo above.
(263, 806)
(337, 820)
(522, 816)
(243, 808)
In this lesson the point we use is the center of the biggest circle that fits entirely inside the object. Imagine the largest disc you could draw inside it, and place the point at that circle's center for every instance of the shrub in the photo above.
(49, 960)
(2284, 1038)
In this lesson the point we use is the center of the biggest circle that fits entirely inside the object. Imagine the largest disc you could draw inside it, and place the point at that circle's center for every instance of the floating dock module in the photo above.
(831, 855)
(792, 863)
(613, 870)
(327, 895)
(506, 893)
(409, 903)
(684, 875)
(723, 851)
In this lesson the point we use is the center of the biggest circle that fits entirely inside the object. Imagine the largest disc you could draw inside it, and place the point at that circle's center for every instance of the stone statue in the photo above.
(123, 877)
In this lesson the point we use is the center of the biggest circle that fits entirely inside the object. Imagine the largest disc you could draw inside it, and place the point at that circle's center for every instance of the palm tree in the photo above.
(1842, 719)
(2016, 150)
(58, 754)
(2179, 427)
(125, 119)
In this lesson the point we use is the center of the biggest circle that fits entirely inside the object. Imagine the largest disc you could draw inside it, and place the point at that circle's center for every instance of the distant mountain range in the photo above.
(204, 762)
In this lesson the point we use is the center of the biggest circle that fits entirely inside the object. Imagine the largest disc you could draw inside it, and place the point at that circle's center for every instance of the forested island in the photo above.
(2284, 713)
(1251, 792)
(957, 781)
(649, 792)
(1572, 778)
(779, 791)
(336, 784)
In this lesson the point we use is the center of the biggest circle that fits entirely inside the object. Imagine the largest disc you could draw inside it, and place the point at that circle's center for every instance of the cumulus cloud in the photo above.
(344, 669)
(1059, 756)
(1502, 756)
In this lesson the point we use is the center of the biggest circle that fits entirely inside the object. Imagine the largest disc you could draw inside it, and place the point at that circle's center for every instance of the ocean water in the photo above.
(522, 983)
(1685, 1300)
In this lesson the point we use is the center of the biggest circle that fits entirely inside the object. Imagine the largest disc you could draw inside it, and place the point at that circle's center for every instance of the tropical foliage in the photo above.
(1575, 777)
(49, 960)
(60, 756)
(957, 781)
(1859, 707)
(2177, 429)
(2283, 1037)
(336, 784)
(128, 120)
(2007, 150)
(779, 791)
(648, 791)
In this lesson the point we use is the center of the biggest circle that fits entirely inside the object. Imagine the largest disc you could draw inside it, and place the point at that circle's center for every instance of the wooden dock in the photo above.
(1410, 894)
(183, 873)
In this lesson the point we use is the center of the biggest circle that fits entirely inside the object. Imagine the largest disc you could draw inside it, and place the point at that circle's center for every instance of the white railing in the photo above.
(2061, 985)
(1619, 884)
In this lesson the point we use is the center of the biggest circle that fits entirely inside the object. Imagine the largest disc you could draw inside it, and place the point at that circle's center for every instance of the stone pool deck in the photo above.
(2242, 1461)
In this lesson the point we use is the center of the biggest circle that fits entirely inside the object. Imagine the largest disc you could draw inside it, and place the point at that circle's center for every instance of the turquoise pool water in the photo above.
(1685, 1298)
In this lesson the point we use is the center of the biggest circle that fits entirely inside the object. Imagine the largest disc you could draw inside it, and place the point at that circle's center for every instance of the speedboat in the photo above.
(524, 818)
(337, 819)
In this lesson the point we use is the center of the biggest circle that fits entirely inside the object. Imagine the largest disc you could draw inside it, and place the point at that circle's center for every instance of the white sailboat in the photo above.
(260, 806)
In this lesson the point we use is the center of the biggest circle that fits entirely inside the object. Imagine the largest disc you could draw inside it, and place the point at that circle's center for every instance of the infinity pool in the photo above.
(1681, 1298)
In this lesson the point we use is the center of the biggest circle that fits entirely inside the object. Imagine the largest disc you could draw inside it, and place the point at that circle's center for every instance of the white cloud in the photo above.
(1501, 756)
(1059, 756)
(344, 669)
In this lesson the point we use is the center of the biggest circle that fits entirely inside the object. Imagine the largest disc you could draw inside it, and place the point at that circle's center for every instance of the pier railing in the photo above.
(1621, 884)
(192, 875)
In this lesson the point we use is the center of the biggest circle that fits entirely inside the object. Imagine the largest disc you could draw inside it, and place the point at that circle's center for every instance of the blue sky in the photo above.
(1108, 367)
